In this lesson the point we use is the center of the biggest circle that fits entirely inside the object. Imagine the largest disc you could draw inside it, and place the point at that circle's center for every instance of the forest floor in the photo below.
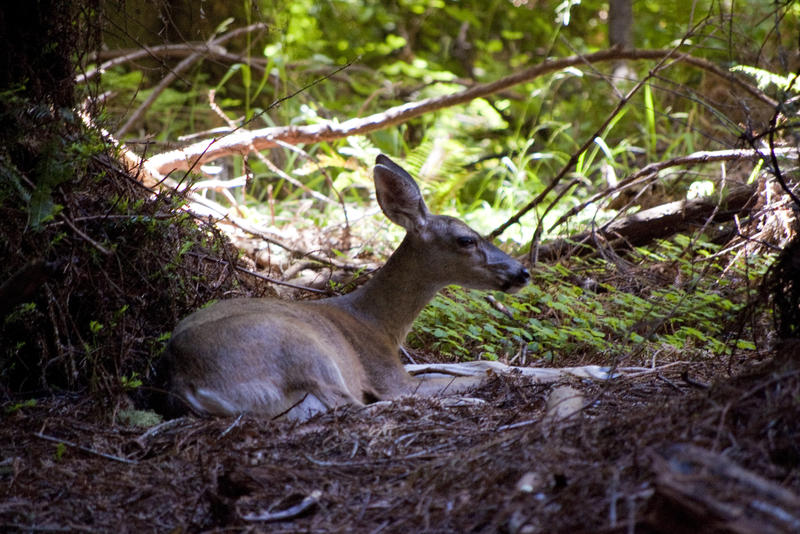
(692, 447)
(710, 445)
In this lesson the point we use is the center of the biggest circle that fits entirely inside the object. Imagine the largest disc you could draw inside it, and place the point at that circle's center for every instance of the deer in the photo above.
(295, 359)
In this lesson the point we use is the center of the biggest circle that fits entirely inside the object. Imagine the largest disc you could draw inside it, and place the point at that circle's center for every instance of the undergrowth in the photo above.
(95, 267)
(663, 304)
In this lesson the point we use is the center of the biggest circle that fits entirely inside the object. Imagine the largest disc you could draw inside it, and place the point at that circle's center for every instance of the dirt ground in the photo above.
(423, 465)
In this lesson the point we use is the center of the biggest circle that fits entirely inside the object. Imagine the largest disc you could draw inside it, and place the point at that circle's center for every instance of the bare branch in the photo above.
(573, 159)
(151, 178)
(659, 221)
(240, 142)
(696, 158)
(167, 50)
(271, 166)
(187, 62)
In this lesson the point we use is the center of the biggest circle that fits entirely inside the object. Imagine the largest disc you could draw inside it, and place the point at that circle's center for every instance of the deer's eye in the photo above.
(466, 241)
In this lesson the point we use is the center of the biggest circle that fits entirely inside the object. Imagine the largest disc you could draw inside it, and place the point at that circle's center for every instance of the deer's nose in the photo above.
(522, 277)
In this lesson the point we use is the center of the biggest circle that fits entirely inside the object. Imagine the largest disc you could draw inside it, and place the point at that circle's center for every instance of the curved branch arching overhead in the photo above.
(242, 141)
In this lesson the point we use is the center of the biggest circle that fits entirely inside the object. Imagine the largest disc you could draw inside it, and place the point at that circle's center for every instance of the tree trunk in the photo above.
(620, 22)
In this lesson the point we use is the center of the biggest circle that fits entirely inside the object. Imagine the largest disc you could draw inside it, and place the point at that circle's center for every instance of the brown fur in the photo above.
(273, 357)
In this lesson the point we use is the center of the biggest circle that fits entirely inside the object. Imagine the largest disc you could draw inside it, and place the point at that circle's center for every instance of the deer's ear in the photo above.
(399, 196)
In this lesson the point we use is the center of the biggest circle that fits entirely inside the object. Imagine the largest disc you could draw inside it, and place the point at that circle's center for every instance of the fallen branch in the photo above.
(290, 513)
(265, 160)
(166, 50)
(568, 166)
(103, 250)
(538, 375)
(242, 141)
(264, 277)
(200, 206)
(187, 62)
(84, 449)
(653, 223)
(697, 158)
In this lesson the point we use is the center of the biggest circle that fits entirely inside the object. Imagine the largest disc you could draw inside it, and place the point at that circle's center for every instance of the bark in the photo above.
(654, 223)
(242, 141)
(702, 491)
(620, 22)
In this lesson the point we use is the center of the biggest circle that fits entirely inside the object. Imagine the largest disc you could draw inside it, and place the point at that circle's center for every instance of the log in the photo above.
(654, 223)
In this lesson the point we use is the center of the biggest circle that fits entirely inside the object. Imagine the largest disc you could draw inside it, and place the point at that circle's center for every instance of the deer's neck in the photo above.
(396, 294)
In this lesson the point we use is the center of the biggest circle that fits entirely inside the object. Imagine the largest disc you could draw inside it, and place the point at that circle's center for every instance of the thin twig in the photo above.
(158, 429)
(281, 282)
(290, 513)
(573, 160)
(669, 382)
(85, 449)
(267, 137)
(773, 160)
(150, 178)
(695, 158)
(178, 69)
(518, 424)
(232, 426)
(166, 50)
(265, 160)
(83, 235)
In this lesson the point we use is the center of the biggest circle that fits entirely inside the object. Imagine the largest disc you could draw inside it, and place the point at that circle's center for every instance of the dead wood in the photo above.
(175, 72)
(654, 223)
(649, 172)
(203, 208)
(240, 142)
(573, 160)
(697, 490)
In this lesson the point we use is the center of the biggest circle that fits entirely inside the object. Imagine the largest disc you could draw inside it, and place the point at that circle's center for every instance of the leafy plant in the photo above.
(554, 316)
(14, 408)
(133, 381)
